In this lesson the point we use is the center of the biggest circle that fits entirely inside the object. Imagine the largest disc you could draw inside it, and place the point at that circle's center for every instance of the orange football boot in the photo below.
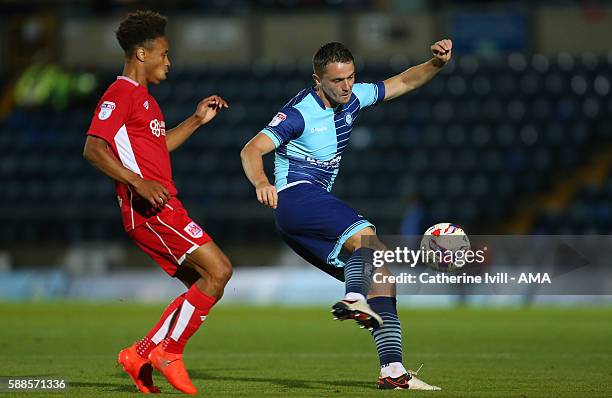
(171, 366)
(138, 368)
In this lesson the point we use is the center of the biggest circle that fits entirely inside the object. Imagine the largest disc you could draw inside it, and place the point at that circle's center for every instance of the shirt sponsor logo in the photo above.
(146, 104)
(106, 109)
(276, 120)
(157, 128)
(321, 129)
(348, 118)
(194, 230)
(327, 164)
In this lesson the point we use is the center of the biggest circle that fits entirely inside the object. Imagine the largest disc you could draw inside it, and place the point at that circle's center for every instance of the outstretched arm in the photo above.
(418, 75)
(252, 163)
(206, 110)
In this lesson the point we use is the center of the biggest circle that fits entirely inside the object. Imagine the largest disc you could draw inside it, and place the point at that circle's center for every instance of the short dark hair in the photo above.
(329, 53)
(138, 28)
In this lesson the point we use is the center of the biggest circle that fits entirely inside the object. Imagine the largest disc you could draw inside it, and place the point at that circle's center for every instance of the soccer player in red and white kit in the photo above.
(128, 141)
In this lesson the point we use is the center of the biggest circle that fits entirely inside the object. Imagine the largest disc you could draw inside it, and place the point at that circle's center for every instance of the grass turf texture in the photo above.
(278, 352)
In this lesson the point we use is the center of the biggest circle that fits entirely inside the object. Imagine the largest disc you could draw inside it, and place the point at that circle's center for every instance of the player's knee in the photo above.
(226, 273)
(364, 238)
(222, 273)
(368, 231)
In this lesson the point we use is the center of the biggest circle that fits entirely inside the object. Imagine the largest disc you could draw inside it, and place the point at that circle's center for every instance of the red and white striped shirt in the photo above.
(129, 119)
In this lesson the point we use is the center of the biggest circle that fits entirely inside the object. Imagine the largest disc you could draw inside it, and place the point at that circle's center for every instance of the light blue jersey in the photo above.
(310, 138)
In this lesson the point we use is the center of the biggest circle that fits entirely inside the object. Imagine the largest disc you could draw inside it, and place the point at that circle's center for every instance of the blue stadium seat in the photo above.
(482, 134)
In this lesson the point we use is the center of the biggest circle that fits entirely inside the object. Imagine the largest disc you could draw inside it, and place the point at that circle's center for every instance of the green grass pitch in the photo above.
(279, 352)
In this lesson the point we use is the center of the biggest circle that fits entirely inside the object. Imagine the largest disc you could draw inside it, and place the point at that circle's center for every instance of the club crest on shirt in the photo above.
(276, 120)
(194, 230)
(146, 104)
(106, 109)
(348, 118)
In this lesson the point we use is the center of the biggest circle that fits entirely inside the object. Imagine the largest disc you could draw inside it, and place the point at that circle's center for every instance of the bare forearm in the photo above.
(412, 78)
(178, 135)
(104, 161)
(252, 163)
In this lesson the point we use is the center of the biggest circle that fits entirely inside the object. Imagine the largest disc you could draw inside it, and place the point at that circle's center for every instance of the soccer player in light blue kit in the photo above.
(309, 135)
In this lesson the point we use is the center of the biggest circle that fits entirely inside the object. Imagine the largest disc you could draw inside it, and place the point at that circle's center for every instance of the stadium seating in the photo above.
(478, 139)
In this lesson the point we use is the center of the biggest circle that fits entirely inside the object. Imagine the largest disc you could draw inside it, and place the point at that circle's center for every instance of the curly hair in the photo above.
(329, 53)
(138, 28)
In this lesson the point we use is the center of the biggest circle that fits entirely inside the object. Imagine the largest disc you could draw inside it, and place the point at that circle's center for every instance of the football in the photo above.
(444, 246)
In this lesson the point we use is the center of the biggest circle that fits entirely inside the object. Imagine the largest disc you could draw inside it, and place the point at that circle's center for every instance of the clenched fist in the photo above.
(442, 51)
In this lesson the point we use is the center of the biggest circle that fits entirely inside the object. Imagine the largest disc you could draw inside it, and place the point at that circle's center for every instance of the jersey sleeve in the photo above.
(110, 115)
(369, 93)
(288, 124)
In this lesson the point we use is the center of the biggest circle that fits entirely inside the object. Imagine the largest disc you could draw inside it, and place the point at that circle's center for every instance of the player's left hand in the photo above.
(442, 50)
(208, 108)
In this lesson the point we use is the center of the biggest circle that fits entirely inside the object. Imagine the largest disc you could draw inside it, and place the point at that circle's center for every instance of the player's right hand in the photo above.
(266, 194)
(153, 192)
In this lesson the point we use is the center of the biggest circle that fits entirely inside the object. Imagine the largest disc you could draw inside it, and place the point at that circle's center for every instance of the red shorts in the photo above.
(169, 237)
